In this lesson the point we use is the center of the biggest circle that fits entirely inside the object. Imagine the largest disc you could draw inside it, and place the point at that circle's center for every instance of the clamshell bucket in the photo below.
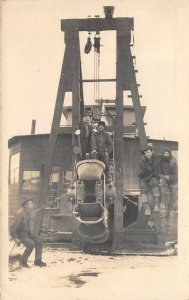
(90, 169)
(95, 233)
(89, 213)
(92, 219)
(89, 210)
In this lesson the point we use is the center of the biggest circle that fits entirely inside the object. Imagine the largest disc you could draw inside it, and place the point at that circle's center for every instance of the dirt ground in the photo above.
(73, 275)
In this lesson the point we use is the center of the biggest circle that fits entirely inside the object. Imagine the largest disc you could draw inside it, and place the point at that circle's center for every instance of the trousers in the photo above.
(147, 186)
(169, 195)
(104, 158)
(30, 243)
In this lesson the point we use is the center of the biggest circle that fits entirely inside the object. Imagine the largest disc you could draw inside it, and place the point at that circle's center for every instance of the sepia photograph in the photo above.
(94, 150)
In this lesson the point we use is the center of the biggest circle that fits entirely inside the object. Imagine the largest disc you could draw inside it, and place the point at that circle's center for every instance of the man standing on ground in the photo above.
(21, 233)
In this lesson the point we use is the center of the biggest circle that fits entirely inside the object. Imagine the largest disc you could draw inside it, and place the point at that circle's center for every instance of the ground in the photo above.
(74, 275)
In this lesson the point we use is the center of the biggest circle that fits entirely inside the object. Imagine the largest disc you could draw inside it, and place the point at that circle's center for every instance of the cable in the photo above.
(94, 75)
(95, 78)
(98, 76)
(12, 248)
(96, 46)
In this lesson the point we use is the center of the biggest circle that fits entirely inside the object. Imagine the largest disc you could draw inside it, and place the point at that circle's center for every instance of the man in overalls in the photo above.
(21, 234)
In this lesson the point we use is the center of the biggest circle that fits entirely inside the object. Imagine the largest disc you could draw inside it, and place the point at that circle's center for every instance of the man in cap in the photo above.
(21, 233)
(169, 180)
(101, 145)
(81, 138)
(149, 172)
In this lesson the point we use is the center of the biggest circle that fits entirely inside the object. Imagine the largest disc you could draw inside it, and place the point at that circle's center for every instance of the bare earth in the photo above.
(79, 276)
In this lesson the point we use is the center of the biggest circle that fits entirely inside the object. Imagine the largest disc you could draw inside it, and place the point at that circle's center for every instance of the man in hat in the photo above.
(81, 138)
(169, 180)
(149, 172)
(20, 232)
(101, 145)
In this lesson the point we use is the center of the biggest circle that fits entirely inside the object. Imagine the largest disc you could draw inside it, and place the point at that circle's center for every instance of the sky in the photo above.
(32, 49)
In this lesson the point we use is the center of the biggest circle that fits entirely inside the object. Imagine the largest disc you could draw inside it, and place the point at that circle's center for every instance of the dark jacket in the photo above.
(170, 167)
(21, 225)
(101, 142)
(149, 168)
(85, 138)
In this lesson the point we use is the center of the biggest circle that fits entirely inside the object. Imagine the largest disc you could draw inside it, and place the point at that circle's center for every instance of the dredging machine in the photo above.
(98, 205)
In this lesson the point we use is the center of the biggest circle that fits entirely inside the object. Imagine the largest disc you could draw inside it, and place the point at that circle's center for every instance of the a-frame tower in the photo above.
(71, 81)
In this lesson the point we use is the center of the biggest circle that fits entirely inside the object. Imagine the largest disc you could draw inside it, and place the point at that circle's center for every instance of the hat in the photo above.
(101, 123)
(25, 201)
(167, 149)
(86, 119)
(147, 148)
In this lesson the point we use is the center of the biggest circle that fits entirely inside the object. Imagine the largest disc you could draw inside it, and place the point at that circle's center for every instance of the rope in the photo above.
(94, 74)
(96, 67)
(12, 249)
(91, 85)
(98, 76)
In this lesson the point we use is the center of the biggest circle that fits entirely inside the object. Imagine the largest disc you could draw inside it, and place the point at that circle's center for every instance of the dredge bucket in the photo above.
(90, 169)
(90, 214)
(95, 233)
(92, 218)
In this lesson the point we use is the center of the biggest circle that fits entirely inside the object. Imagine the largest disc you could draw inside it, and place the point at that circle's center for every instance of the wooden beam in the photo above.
(97, 24)
(75, 60)
(98, 80)
(130, 96)
(118, 137)
(128, 129)
(70, 67)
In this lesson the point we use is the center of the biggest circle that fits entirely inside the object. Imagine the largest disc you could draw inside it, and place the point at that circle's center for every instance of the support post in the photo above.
(118, 141)
(135, 98)
(69, 81)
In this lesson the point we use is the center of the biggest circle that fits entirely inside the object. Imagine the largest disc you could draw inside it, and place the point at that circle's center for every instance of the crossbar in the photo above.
(97, 24)
(98, 80)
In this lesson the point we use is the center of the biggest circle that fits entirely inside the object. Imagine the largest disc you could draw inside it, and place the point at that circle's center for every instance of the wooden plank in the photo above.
(97, 24)
(129, 129)
(70, 68)
(99, 80)
(118, 143)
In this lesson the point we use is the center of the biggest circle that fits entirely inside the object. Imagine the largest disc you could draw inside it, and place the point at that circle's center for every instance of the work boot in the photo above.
(39, 263)
(24, 264)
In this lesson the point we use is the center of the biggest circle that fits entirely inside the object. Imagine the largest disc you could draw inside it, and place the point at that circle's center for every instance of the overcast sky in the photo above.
(32, 53)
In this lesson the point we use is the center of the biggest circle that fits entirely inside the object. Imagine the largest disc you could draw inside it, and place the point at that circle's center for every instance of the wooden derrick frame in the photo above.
(71, 81)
